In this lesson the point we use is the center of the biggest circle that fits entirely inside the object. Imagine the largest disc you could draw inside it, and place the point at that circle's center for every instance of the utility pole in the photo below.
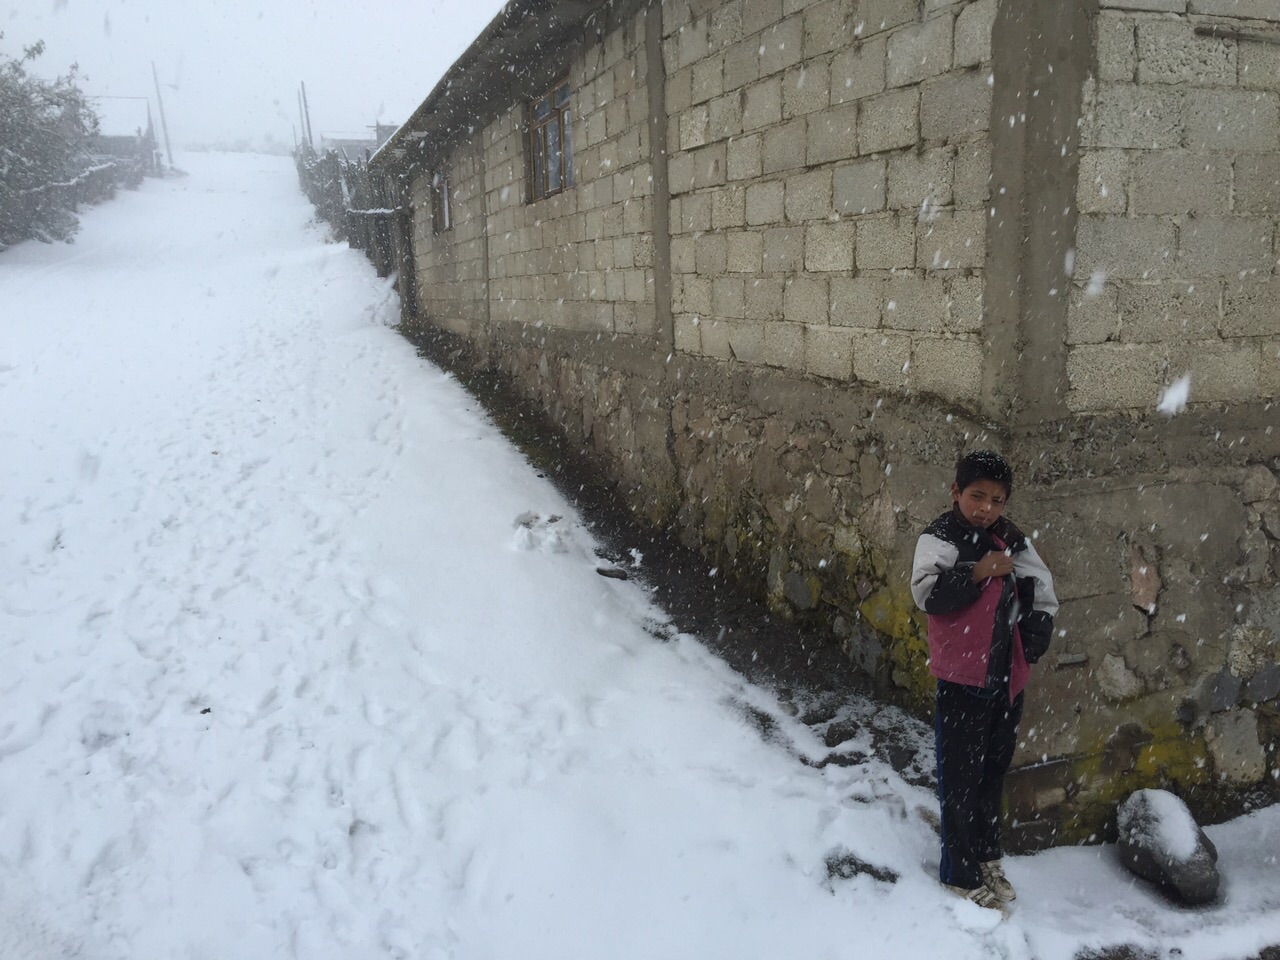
(163, 125)
(307, 112)
(302, 118)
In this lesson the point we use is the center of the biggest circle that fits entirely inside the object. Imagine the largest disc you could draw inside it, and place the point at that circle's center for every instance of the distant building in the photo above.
(125, 130)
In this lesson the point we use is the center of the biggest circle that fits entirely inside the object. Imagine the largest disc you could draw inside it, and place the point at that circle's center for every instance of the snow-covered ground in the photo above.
(299, 662)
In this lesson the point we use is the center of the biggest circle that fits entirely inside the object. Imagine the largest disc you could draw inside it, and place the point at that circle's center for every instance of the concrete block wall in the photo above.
(582, 259)
(451, 265)
(1179, 199)
(829, 175)
(837, 265)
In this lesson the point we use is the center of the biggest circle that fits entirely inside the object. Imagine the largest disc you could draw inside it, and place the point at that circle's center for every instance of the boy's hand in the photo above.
(997, 563)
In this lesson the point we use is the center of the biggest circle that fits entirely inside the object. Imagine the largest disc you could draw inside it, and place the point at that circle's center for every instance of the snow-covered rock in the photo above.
(1160, 841)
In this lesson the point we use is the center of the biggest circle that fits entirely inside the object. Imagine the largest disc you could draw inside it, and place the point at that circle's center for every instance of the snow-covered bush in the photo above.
(46, 128)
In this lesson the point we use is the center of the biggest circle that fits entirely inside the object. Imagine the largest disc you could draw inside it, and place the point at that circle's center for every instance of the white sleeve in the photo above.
(933, 557)
(1027, 563)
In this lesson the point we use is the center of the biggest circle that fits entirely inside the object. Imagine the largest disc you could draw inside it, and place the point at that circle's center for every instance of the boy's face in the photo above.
(981, 502)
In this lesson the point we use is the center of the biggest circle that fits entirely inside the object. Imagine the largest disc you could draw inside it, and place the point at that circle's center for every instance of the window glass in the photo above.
(539, 173)
(553, 157)
(568, 149)
(550, 143)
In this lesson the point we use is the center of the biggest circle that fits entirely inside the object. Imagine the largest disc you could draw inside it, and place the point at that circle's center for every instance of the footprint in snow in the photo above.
(544, 534)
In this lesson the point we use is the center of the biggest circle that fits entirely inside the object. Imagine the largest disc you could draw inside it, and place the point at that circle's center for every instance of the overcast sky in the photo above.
(230, 69)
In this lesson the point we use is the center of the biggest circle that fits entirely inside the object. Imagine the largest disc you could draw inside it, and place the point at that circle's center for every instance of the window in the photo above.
(441, 214)
(550, 143)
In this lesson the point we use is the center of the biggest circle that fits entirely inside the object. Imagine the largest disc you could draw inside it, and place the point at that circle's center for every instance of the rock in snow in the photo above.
(1161, 842)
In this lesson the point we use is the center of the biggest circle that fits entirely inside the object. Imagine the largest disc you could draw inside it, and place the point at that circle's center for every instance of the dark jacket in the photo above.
(982, 634)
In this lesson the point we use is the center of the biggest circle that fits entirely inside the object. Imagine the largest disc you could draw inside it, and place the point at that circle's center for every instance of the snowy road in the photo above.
(300, 664)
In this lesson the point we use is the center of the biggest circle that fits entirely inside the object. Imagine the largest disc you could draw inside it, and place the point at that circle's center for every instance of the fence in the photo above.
(365, 210)
(47, 212)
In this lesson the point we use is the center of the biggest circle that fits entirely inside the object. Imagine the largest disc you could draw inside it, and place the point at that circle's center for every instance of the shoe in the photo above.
(981, 895)
(993, 879)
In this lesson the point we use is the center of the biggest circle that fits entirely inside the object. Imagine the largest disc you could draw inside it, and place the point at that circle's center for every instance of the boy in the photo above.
(990, 603)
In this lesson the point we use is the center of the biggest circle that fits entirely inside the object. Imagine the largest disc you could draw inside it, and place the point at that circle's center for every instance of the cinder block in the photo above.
(827, 27)
(882, 358)
(744, 251)
(725, 27)
(1124, 249)
(828, 352)
(724, 117)
(728, 207)
(1250, 9)
(886, 243)
(912, 302)
(784, 345)
(809, 196)
(973, 33)
(1251, 308)
(1269, 379)
(806, 300)
(1117, 48)
(919, 51)
(857, 301)
(859, 70)
(964, 304)
(727, 297)
(828, 247)
(762, 104)
(691, 42)
(758, 14)
(1106, 376)
(712, 255)
(1103, 182)
(1181, 181)
(696, 294)
(764, 298)
(1169, 51)
(687, 335)
(1245, 121)
(781, 45)
(806, 88)
(1093, 316)
(695, 213)
(744, 160)
(1220, 372)
(1221, 247)
(1259, 65)
(784, 249)
(952, 241)
(972, 184)
(833, 134)
(859, 187)
(889, 121)
(708, 166)
(876, 16)
(1169, 312)
(956, 106)
(950, 368)
(785, 146)
(741, 64)
(920, 179)
(765, 202)
(693, 129)
(714, 334)
(707, 79)
(1160, 6)
(1131, 116)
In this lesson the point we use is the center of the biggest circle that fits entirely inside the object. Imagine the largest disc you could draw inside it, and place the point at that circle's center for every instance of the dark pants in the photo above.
(976, 735)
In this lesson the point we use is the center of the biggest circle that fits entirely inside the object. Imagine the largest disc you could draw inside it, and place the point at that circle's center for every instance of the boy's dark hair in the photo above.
(984, 465)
